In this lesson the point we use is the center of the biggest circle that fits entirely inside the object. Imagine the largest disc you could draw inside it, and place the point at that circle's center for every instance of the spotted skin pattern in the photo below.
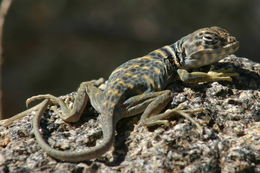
(137, 87)
(137, 76)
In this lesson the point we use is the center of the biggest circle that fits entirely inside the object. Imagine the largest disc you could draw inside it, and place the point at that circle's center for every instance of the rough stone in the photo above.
(230, 142)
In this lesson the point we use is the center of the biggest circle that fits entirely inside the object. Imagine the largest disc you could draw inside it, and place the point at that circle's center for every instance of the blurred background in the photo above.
(52, 46)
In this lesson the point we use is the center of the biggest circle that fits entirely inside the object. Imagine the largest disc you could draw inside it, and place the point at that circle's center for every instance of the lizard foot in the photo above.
(66, 112)
(224, 74)
(159, 119)
(43, 96)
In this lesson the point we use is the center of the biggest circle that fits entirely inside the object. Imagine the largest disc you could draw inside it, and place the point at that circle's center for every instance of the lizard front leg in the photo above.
(211, 76)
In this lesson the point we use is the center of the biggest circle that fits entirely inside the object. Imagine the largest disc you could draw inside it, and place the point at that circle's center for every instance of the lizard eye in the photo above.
(208, 38)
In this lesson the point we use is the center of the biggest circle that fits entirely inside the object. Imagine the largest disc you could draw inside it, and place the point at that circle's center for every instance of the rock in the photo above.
(230, 142)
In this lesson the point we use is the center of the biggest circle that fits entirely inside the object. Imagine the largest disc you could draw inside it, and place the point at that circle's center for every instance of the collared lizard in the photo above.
(138, 87)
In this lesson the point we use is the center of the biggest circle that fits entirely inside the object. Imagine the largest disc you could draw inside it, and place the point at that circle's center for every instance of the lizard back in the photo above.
(140, 75)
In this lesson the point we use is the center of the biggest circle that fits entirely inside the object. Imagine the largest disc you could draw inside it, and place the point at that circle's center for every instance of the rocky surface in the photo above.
(230, 141)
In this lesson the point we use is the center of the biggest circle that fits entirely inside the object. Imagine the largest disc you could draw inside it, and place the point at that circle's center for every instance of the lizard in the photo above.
(138, 87)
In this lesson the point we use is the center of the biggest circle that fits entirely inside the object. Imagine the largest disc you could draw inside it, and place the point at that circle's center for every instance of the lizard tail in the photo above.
(76, 156)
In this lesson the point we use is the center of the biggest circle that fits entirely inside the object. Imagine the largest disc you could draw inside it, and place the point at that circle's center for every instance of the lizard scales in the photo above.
(151, 73)
(137, 86)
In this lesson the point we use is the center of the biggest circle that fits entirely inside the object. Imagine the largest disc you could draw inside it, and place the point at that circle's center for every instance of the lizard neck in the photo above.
(174, 53)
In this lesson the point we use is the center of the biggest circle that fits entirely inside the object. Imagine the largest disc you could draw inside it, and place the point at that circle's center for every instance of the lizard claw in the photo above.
(27, 102)
(38, 97)
(31, 99)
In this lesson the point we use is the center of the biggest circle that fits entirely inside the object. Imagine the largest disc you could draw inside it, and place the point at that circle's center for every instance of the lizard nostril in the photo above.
(231, 39)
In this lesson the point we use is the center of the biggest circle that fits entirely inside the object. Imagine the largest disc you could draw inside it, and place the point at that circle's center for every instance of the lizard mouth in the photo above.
(220, 52)
(231, 48)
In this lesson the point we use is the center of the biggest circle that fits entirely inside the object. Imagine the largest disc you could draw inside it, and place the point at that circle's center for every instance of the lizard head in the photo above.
(206, 46)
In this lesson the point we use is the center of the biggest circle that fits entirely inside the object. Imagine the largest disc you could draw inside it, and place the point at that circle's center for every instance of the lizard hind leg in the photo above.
(54, 100)
(95, 96)
(152, 113)
(137, 104)
(148, 104)
(154, 108)
(67, 114)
